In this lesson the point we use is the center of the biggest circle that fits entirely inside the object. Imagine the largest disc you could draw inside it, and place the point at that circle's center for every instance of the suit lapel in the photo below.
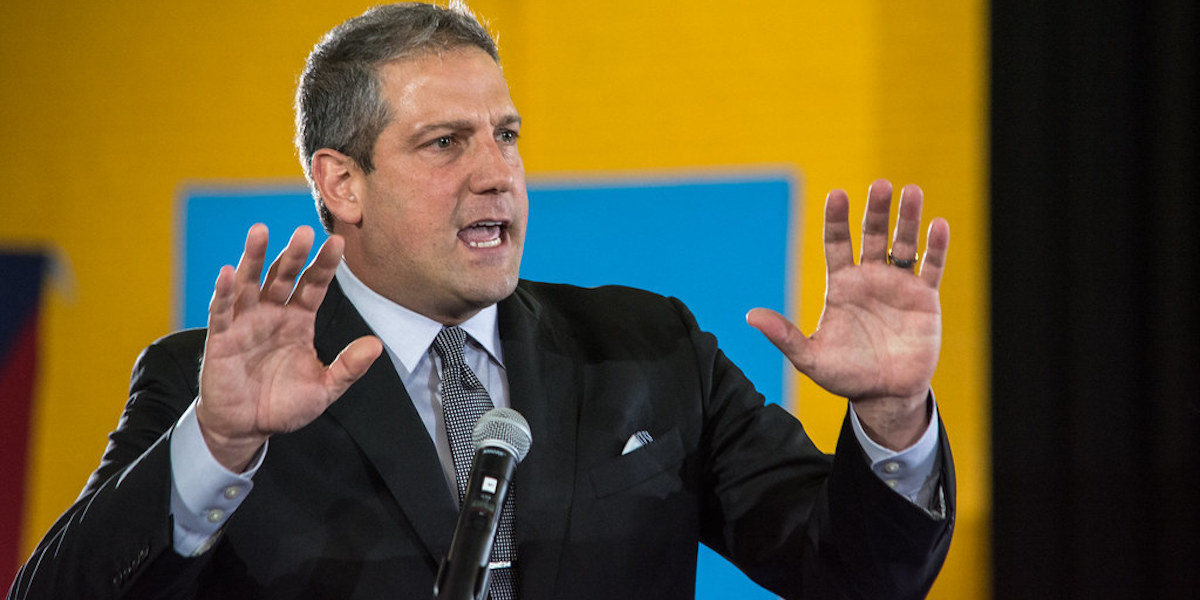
(542, 388)
(379, 415)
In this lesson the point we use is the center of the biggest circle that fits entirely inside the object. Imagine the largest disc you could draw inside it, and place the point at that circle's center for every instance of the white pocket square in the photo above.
(637, 440)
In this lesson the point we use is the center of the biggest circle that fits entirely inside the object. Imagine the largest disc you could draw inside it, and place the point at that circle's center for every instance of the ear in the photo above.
(340, 182)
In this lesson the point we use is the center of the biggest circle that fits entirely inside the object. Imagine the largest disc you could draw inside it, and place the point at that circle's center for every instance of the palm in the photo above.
(268, 357)
(880, 332)
(261, 374)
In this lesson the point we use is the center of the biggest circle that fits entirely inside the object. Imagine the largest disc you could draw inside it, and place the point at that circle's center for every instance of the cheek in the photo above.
(429, 201)
(521, 210)
(408, 210)
(407, 232)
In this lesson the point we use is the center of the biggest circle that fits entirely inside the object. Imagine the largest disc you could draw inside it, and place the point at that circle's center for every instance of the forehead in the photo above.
(463, 79)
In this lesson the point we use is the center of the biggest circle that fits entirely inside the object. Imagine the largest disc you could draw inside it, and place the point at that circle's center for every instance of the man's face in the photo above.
(444, 213)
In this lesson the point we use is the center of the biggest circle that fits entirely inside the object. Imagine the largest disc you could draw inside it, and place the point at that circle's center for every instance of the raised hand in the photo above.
(260, 373)
(879, 336)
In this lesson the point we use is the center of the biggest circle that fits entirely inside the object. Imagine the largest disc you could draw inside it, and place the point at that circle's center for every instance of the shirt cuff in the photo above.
(203, 492)
(911, 472)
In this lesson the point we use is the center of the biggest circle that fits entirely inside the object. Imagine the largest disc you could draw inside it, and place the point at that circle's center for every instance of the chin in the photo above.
(487, 293)
(504, 288)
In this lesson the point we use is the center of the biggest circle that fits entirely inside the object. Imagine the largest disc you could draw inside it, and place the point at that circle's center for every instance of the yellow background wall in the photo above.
(107, 109)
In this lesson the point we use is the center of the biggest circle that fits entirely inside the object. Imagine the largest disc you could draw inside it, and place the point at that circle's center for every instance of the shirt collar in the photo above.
(407, 333)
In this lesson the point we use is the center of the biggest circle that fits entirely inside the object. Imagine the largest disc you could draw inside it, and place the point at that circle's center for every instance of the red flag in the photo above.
(20, 303)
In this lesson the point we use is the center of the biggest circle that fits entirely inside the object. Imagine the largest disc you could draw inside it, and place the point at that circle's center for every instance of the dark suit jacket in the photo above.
(355, 505)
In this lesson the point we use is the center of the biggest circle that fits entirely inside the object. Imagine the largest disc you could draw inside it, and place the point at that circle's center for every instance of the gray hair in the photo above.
(338, 100)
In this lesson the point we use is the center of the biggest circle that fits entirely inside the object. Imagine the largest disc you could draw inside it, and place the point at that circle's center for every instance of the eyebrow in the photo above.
(509, 120)
(458, 125)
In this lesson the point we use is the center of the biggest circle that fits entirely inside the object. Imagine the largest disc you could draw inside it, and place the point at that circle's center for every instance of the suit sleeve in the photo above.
(799, 522)
(115, 540)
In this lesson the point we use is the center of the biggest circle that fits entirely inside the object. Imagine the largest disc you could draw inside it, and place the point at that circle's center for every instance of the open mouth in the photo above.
(483, 234)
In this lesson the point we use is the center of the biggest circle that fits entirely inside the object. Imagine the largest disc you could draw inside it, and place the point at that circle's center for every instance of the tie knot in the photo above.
(449, 345)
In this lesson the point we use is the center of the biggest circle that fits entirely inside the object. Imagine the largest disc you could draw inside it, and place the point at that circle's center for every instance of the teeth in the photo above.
(474, 235)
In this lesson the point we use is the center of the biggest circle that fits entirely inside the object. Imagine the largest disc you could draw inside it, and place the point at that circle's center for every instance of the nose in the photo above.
(496, 167)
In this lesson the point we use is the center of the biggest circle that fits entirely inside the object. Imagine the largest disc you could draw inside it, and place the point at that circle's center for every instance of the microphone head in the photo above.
(504, 428)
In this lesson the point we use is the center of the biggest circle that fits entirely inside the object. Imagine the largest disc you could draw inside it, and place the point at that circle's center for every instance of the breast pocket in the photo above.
(640, 466)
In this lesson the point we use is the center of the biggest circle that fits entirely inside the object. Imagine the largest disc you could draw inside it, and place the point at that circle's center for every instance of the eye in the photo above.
(444, 142)
(507, 136)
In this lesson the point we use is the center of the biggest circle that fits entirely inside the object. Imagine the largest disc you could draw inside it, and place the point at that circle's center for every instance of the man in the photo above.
(647, 439)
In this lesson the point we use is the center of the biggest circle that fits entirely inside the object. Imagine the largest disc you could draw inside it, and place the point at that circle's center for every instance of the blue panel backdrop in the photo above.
(719, 244)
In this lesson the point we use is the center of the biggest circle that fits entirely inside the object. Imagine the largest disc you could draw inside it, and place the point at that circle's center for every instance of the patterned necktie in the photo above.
(464, 400)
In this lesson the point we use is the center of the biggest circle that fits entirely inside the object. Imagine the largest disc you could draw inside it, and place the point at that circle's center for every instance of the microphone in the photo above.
(502, 439)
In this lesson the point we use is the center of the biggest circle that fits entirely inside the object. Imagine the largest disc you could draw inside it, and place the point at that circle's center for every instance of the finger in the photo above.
(220, 307)
(839, 251)
(281, 277)
(249, 269)
(314, 281)
(352, 363)
(937, 245)
(908, 223)
(875, 222)
(781, 332)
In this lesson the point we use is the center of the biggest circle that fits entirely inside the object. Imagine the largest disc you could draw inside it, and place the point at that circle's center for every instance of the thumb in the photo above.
(786, 336)
(351, 363)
